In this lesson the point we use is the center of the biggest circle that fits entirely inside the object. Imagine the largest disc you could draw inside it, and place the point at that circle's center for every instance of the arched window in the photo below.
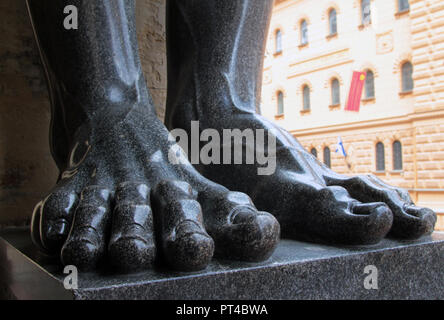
(327, 157)
(369, 85)
(366, 13)
(380, 157)
(407, 77)
(314, 152)
(278, 41)
(280, 98)
(403, 5)
(332, 22)
(306, 97)
(304, 32)
(397, 155)
(335, 92)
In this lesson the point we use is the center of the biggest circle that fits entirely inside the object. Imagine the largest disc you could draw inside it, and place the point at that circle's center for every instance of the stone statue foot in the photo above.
(310, 201)
(122, 201)
(410, 221)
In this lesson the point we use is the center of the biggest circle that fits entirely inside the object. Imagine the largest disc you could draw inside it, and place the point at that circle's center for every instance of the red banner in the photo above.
(355, 94)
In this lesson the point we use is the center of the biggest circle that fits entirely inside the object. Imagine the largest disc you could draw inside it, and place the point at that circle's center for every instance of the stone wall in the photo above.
(27, 171)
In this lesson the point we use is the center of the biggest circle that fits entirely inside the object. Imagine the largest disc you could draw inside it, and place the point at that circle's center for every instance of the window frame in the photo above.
(380, 152)
(404, 88)
(397, 164)
(366, 95)
(330, 11)
(278, 42)
(306, 97)
(314, 152)
(332, 81)
(327, 160)
(363, 16)
(303, 25)
(280, 103)
(401, 10)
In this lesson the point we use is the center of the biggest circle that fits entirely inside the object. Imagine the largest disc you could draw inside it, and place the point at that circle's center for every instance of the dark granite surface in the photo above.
(297, 270)
(127, 197)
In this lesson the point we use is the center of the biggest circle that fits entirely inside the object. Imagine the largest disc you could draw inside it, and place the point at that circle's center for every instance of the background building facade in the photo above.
(398, 134)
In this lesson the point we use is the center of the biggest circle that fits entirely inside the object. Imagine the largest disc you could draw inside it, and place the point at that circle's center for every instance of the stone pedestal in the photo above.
(297, 270)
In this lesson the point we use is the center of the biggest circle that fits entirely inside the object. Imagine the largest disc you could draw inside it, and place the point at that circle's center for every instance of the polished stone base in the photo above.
(297, 270)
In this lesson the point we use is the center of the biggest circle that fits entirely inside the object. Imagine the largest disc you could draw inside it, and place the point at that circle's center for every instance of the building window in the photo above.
(369, 85)
(397, 155)
(407, 77)
(380, 157)
(304, 32)
(403, 5)
(335, 93)
(306, 97)
(314, 152)
(278, 41)
(327, 157)
(280, 98)
(366, 13)
(332, 21)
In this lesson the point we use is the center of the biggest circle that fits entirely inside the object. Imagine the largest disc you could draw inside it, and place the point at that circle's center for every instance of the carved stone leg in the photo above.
(119, 198)
(215, 55)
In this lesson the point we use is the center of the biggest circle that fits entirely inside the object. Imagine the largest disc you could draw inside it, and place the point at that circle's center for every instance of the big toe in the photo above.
(184, 242)
(368, 222)
(240, 231)
(412, 222)
(252, 236)
(57, 212)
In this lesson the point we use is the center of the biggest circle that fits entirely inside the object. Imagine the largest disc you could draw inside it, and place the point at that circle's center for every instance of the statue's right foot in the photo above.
(122, 198)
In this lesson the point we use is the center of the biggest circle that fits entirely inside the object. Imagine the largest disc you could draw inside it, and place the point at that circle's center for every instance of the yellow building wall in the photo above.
(416, 119)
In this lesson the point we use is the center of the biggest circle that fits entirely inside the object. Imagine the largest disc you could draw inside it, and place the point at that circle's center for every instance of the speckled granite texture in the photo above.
(297, 270)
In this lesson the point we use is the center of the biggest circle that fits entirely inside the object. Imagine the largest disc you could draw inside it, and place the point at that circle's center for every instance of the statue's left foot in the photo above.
(310, 201)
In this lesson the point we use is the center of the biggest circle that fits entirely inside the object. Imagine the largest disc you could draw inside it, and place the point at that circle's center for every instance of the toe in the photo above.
(409, 221)
(367, 223)
(188, 247)
(412, 222)
(179, 225)
(131, 245)
(344, 220)
(85, 245)
(330, 215)
(57, 211)
(240, 231)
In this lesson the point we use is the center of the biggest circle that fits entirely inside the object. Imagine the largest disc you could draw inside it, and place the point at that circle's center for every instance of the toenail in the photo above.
(242, 214)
